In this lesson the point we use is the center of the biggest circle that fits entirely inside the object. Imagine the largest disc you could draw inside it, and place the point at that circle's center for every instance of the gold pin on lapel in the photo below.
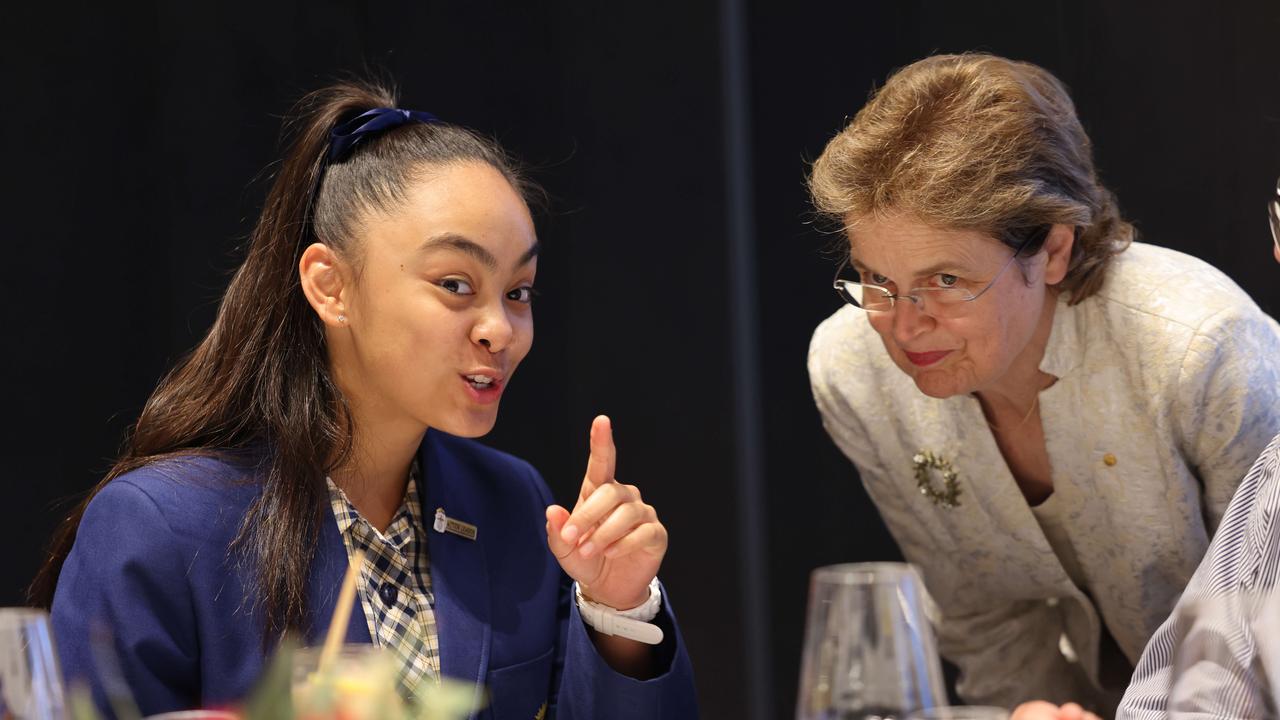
(444, 524)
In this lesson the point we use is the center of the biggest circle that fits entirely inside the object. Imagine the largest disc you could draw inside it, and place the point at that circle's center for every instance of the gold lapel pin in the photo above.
(446, 524)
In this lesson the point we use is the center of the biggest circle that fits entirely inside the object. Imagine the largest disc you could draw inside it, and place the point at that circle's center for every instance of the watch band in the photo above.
(631, 624)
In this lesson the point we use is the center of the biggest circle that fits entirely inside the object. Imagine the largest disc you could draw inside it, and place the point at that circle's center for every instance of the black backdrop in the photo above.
(680, 278)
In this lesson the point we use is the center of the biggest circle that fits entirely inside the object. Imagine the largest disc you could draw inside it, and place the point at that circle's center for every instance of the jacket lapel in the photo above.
(459, 572)
(327, 570)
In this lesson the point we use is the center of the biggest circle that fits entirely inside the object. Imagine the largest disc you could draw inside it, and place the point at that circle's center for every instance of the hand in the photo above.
(1041, 710)
(612, 543)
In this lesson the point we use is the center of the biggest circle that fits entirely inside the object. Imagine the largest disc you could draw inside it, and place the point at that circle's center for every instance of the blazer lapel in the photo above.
(459, 572)
(327, 570)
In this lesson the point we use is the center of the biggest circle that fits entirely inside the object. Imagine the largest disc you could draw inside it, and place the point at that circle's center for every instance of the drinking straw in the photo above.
(341, 613)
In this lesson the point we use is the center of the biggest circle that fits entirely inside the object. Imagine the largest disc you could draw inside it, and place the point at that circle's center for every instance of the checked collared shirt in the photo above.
(395, 583)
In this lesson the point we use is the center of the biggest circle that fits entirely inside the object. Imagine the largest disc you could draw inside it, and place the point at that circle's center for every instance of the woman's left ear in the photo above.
(1061, 240)
(320, 272)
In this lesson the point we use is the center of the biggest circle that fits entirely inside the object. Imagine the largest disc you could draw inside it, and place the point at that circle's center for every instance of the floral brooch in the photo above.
(925, 461)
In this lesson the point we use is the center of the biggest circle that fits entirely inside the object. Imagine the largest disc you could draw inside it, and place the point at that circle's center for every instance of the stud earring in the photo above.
(342, 318)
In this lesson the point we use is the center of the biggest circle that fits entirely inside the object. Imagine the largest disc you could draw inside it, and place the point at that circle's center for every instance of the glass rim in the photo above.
(863, 573)
(1273, 211)
(193, 715)
(942, 712)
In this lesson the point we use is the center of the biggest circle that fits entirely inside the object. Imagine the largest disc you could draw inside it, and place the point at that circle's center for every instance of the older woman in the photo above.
(1050, 417)
(1214, 656)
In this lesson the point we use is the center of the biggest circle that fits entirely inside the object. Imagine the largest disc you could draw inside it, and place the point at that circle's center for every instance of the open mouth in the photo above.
(481, 382)
(484, 387)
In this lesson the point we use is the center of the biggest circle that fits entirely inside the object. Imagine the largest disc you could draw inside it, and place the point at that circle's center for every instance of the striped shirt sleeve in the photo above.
(1203, 661)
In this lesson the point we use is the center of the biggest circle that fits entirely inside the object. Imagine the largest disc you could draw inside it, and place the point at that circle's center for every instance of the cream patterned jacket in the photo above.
(1169, 388)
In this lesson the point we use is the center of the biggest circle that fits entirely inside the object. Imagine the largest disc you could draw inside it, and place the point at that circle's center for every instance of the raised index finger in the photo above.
(600, 465)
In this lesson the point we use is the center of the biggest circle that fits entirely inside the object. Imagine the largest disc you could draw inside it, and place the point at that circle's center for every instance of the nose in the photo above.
(493, 329)
(909, 322)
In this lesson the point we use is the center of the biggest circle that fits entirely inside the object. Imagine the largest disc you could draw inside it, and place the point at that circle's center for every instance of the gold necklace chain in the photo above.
(1023, 421)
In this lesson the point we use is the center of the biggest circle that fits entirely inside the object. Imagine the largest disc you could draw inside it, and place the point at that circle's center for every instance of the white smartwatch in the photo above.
(632, 624)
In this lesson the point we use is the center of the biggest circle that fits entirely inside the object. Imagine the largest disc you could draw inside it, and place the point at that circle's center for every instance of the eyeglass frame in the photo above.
(838, 283)
(1273, 209)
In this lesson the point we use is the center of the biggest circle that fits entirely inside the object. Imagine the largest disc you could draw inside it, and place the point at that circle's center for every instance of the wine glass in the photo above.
(962, 712)
(30, 681)
(869, 652)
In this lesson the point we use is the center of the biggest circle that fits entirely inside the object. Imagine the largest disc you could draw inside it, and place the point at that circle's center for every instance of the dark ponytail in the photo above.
(259, 382)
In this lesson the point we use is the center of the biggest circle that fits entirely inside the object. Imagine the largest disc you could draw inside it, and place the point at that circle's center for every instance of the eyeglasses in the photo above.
(947, 301)
(1273, 209)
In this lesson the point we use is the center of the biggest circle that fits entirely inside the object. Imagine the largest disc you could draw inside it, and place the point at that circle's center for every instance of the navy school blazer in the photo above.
(151, 565)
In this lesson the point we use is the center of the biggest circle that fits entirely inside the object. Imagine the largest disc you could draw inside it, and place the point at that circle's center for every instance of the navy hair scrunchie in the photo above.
(348, 134)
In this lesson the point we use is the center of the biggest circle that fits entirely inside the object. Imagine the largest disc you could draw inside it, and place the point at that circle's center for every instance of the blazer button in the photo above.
(388, 593)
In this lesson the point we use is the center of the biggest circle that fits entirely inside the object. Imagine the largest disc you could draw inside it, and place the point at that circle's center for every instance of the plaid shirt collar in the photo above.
(401, 534)
(395, 583)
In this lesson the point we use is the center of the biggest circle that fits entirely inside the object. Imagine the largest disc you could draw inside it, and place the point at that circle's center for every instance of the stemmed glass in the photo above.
(869, 651)
(962, 712)
(30, 681)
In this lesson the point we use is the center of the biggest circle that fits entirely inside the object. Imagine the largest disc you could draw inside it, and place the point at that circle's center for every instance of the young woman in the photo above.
(383, 307)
